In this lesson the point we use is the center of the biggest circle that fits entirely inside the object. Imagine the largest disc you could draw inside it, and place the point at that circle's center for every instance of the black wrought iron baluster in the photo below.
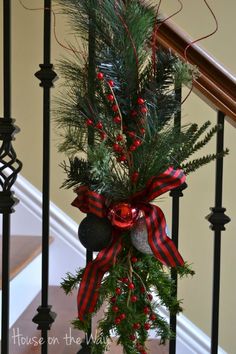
(91, 90)
(9, 168)
(46, 75)
(218, 219)
(175, 194)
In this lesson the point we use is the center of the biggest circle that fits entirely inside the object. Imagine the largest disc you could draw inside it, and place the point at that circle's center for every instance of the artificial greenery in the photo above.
(149, 277)
(126, 101)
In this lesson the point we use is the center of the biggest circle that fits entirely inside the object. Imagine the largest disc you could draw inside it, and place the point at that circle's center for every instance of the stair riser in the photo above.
(23, 289)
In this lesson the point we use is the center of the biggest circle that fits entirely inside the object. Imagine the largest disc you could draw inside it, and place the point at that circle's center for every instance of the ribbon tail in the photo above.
(162, 246)
(88, 293)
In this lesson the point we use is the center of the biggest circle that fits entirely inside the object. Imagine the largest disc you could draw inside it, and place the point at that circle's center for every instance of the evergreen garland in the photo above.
(131, 115)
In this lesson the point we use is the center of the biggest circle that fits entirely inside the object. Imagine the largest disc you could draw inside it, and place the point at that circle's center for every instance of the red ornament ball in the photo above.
(115, 308)
(118, 291)
(122, 316)
(113, 300)
(131, 286)
(132, 147)
(123, 215)
(117, 119)
(89, 122)
(139, 347)
(147, 326)
(125, 280)
(117, 320)
(146, 310)
(110, 97)
(143, 110)
(137, 142)
(150, 297)
(140, 101)
(142, 131)
(134, 259)
(100, 76)
(153, 317)
(117, 147)
(122, 158)
(131, 134)
(132, 337)
(99, 125)
(119, 137)
(115, 108)
(103, 135)
(111, 83)
(136, 325)
(133, 298)
(133, 113)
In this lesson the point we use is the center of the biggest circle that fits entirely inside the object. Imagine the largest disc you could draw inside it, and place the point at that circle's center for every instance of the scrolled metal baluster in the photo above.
(10, 166)
(86, 344)
(176, 194)
(218, 219)
(46, 75)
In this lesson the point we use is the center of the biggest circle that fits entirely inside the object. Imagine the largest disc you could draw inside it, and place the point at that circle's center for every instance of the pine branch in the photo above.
(78, 173)
(197, 163)
(71, 281)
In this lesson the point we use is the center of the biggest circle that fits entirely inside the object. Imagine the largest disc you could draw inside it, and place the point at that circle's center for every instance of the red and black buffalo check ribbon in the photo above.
(162, 246)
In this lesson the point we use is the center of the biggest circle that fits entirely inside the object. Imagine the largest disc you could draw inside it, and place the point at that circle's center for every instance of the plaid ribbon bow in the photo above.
(162, 246)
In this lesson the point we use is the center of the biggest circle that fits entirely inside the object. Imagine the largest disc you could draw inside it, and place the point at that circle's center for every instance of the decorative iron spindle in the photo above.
(46, 75)
(175, 194)
(9, 168)
(91, 90)
(218, 219)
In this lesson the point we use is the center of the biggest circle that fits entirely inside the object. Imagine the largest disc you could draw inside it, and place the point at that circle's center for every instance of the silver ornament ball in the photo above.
(139, 236)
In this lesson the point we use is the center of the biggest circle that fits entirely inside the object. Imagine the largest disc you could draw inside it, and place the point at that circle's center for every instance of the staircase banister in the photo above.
(215, 84)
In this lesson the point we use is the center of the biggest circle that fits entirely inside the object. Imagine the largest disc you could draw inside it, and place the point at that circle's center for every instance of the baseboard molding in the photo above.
(61, 225)
(190, 339)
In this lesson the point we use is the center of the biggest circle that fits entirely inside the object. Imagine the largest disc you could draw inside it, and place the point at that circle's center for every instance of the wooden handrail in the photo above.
(215, 84)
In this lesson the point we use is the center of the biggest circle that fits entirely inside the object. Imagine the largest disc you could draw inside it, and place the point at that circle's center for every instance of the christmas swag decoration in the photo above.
(162, 246)
(120, 113)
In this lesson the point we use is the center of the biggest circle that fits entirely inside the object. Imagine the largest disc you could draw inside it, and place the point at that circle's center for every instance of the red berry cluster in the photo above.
(100, 76)
(118, 148)
(141, 103)
(119, 316)
(117, 119)
(136, 141)
(111, 99)
(98, 126)
(115, 308)
(141, 108)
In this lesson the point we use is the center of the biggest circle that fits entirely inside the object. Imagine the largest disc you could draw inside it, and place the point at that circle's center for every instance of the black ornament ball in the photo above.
(95, 233)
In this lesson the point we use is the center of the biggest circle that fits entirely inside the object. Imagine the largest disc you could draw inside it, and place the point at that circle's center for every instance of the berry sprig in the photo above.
(124, 153)
(111, 97)
(119, 146)
(139, 321)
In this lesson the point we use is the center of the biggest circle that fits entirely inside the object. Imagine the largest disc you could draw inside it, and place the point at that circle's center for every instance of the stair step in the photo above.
(153, 347)
(62, 336)
(66, 309)
(23, 250)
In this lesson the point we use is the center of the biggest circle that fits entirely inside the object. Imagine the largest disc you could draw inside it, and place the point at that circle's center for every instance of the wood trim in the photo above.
(215, 84)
